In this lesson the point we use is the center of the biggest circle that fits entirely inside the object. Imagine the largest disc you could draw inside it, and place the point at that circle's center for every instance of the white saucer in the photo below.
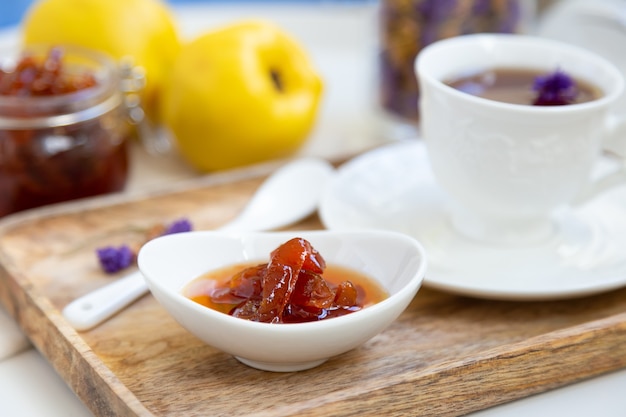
(393, 188)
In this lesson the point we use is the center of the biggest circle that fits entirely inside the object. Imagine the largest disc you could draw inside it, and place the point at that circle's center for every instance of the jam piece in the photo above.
(247, 284)
(283, 271)
(312, 291)
(346, 294)
(290, 288)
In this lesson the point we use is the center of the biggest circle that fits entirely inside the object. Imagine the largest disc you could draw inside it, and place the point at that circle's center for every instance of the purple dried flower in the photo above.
(509, 22)
(179, 226)
(555, 89)
(114, 259)
(481, 7)
(434, 14)
(436, 11)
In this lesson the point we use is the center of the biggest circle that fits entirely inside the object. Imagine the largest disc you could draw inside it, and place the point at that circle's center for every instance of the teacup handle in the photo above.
(615, 145)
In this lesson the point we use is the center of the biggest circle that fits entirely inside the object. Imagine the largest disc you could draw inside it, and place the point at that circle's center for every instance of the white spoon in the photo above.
(288, 195)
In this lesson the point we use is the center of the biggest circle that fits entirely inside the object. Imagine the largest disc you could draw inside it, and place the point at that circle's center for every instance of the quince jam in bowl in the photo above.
(63, 127)
(288, 323)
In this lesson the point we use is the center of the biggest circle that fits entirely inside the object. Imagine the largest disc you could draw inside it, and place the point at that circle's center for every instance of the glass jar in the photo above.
(65, 146)
(407, 26)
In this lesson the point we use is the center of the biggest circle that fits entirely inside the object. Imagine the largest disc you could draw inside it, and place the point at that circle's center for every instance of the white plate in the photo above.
(393, 188)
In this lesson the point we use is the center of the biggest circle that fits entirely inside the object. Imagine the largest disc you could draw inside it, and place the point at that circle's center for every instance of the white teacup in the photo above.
(509, 167)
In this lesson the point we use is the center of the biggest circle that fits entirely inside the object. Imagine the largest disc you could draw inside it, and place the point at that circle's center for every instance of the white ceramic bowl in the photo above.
(395, 260)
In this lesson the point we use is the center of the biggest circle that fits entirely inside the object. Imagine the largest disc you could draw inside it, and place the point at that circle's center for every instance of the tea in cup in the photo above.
(508, 161)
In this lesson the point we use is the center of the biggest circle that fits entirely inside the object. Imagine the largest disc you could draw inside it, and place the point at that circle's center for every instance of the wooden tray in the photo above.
(446, 355)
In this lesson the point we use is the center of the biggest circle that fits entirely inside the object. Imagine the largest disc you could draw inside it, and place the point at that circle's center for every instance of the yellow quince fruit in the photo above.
(143, 30)
(241, 94)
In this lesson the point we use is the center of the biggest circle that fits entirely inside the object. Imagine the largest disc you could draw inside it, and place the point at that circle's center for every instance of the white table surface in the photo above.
(29, 387)
(344, 52)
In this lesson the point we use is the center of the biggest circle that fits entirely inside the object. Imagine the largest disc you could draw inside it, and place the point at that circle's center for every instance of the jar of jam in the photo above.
(63, 127)
(407, 26)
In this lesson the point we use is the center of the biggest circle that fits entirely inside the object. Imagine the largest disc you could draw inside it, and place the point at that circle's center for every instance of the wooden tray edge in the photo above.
(552, 351)
(63, 347)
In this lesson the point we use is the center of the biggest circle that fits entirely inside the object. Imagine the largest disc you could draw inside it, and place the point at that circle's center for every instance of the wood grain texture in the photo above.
(445, 356)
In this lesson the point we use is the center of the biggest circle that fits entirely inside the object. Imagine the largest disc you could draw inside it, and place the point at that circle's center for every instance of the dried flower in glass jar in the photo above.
(407, 26)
